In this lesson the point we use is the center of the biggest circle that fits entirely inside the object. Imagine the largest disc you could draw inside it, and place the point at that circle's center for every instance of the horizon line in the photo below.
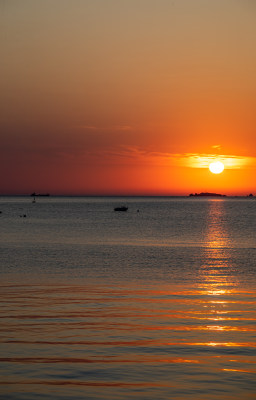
(194, 194)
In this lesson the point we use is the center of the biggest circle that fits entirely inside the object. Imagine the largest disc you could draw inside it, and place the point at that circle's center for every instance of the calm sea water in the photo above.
(155, 304)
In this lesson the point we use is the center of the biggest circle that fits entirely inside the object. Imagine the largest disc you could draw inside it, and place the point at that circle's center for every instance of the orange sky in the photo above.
(127, 97)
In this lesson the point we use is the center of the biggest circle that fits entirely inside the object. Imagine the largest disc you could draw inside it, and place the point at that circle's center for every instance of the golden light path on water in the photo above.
(220, 283)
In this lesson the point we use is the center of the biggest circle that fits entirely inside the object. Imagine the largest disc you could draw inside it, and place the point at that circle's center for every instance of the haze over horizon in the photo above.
(127, 97)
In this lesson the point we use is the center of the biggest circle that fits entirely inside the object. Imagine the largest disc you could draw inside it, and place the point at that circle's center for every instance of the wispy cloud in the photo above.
(188, 160)
(85, 127)
(122, 128)
(195, 160)
(216, 147)
(110, 128)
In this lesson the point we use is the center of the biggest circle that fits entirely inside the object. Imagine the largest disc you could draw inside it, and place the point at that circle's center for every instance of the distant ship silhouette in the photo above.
(39, 194)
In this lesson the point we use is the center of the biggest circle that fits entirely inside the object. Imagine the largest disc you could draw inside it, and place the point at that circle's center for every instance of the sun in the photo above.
(216, 167)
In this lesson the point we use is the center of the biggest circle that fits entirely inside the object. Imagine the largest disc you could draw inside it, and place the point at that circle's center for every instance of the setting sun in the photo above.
(216, 167)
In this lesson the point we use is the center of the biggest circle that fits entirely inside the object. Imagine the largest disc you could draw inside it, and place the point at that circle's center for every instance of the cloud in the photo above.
(216, 146)
(141, 156)
(122, 128)
(85, 127)
(230, 161)
(110, 128)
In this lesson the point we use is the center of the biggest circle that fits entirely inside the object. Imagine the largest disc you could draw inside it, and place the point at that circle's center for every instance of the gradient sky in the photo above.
(127, 96)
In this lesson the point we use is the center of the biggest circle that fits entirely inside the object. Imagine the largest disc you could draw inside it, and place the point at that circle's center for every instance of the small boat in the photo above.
(123, 208)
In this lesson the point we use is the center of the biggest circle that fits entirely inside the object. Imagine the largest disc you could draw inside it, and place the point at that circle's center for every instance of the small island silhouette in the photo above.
(206, 194)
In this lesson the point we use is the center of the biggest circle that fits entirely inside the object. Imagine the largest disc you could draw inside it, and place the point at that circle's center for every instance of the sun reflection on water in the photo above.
(216, 273)
(220, 285)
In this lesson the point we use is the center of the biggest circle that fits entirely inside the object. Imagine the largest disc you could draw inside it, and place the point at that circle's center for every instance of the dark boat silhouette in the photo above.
(122, 208)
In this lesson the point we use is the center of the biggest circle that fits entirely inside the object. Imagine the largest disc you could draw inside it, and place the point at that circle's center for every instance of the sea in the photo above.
(157, 302)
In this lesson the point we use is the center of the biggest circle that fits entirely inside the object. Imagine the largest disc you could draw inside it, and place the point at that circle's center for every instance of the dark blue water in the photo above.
(155, 304)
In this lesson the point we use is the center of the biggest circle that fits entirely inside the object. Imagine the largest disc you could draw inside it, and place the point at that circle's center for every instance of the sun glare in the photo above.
(216, 167)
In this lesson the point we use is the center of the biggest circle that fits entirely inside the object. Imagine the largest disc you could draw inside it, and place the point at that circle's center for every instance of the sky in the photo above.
(127, 97)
